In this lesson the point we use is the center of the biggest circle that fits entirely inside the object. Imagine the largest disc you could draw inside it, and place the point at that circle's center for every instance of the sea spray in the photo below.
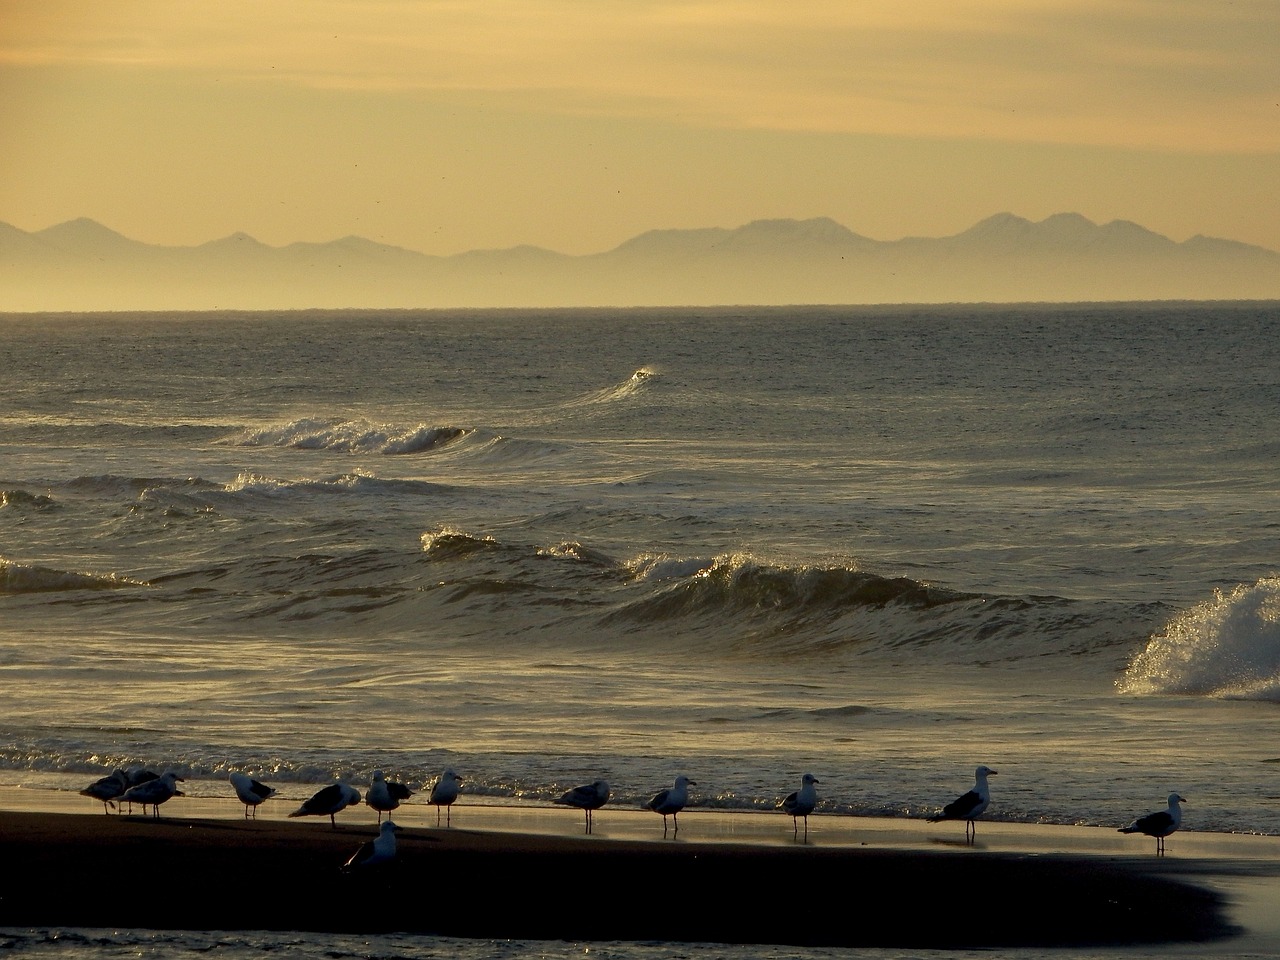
(1228, 646)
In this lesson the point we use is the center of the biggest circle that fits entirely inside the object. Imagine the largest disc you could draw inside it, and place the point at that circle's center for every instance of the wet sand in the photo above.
(532, 873)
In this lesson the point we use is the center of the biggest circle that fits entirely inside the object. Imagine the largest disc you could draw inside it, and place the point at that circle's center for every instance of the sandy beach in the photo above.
(530, 872)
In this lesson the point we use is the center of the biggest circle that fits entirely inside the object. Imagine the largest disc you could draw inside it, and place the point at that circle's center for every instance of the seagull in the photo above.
(152, 793)
(1159, 824)
(801, 803)
(137, 775)
(588, 797)
(107, 789)
(250, 792)
(385, 795)
(373, 852)
(444, 793)
(971, 805)
(671, 801)
(327, 802)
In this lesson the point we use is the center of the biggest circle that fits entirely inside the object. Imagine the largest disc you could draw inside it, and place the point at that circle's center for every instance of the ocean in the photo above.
(879, 544)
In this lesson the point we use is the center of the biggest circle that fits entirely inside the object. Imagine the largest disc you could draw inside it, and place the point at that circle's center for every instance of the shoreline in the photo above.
(514, 872)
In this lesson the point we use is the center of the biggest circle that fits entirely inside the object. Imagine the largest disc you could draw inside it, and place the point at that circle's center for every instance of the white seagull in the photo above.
(376, 851)
(801, 803)
(444, 793)
(971, 805)
(1159, 824)
(588, 797)
(671, 801)
(250, 792)
(107, 789)
(138, 775)
(385, 795)
(327, 802)
(152, 793)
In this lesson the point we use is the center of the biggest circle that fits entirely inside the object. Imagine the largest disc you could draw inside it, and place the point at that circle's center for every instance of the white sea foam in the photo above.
(1228, 646)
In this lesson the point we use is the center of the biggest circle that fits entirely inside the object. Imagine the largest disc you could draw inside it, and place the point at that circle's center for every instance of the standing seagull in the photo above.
(971, 805)
(152, 793)
(327, 802)
(107, 789)
(588, 797)
(385, 795)
(250, 792)
(801, 804)
(374, 852)
(444, 793)
(671, 801)
(136, 776)
(1159, 824)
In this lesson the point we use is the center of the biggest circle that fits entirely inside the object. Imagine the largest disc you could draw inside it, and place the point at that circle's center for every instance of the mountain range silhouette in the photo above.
(82, 265)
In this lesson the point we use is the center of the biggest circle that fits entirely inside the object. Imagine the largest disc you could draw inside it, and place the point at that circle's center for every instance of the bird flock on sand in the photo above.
(121, 789)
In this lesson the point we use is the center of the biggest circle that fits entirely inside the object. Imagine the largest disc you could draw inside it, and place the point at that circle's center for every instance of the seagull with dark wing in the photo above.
(328, 801)
(1159, 824)
(801, 804)
(382, 849)
(152, 793)
(587, 798)
(969, 806)
(671, 802)
(443, 793)
(107, 789)
(385, 795)
(250, 792)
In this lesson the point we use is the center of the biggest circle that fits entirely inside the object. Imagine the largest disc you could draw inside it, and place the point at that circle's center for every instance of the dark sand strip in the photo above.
(210, 874)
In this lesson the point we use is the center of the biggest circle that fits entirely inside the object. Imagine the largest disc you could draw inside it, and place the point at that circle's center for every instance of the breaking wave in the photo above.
(1226, 647)
(30, 578)
(634, 384)
(351, 436)
(354, 482)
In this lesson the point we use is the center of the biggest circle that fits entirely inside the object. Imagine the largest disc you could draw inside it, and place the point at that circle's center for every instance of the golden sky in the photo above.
(449, 125)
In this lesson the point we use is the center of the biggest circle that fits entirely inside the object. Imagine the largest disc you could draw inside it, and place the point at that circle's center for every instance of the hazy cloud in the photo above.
(1184, 74)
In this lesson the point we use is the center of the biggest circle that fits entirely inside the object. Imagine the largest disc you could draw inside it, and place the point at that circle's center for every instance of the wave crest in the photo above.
(22, 498)
(449, 543)
(1226, 647)
(351, 436)
(741, 582)
(31, 578)
(634, 384)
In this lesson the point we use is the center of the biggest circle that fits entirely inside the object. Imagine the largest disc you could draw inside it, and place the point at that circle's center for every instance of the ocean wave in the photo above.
(23, 499)
(640, 380)
(357, 481)
(1227, 647)
(743, 582)
(350, 436)
(751, 607)
(513, 451)
(123, 486)
(30, 578)
(572, 550)
(449, 543)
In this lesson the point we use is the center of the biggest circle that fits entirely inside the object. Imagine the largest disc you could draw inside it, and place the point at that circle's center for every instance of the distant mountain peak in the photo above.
(1070, 221)
(81, 231)
(237, 239)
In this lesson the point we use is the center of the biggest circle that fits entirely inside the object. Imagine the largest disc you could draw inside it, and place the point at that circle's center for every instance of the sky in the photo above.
(452, 125)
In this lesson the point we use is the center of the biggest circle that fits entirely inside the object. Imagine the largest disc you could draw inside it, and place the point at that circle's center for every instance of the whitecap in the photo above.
(1228, 647)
